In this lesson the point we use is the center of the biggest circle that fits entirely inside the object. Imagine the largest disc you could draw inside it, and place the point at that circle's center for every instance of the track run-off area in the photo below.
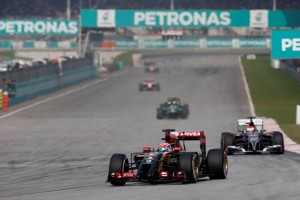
(58, 147)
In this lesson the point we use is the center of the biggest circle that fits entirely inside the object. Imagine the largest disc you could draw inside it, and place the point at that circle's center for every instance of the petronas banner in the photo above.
(39, 27)
(189, 18)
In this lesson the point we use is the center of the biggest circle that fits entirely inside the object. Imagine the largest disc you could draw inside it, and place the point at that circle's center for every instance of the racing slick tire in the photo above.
(278, 140)
(159, 113)
(184, 113)
(189, 165)
(118, 163)
(217, 164)
(227, 139)
(141, 88)
(158, 87)
(186, 106)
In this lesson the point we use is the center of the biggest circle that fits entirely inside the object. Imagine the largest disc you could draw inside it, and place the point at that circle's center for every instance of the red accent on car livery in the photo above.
(146, 149)
(202, 138)
(179, 175)
(190, 135)
(226, 149)
(163, 174)
(128, 175)
(118, 175)
(177, 148)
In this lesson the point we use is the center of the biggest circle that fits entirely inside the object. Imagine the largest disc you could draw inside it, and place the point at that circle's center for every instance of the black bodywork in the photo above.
(178, 165)
(256, 141)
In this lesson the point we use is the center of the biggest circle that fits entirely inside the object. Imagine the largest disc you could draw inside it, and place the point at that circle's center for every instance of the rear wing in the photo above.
(172, 136)
(189, 135)
(243, 123)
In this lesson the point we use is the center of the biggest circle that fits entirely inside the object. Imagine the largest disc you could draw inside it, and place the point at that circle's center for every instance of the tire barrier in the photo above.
(5, 100)
(1, 99)
(41, 71)
(28, 90)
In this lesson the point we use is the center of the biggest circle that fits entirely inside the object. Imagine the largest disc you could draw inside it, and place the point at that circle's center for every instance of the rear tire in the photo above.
(159, 113)
(141, 87)
(186, 106)
(184, 113)
(278, 140)
(188, 164)
(158, 87)
(118, 163)
(227, 139)
(217, 164)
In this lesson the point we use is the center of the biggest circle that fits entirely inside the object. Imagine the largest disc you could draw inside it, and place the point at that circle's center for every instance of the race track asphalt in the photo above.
(60, 149)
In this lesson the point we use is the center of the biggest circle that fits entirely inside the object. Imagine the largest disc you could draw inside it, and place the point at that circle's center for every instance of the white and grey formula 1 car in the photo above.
(252, 138)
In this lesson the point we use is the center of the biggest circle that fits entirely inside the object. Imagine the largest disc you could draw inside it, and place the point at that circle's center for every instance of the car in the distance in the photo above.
(149, 85)
(172, 109)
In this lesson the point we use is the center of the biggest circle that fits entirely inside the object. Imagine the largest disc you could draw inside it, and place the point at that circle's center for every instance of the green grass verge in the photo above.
(274, 94)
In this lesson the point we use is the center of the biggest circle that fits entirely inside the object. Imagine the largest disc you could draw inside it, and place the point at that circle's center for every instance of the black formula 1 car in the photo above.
(177, 164)
(149, 85)
(252, 138)
(172, 109)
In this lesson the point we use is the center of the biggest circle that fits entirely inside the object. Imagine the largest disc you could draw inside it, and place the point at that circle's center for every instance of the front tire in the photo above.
(227, 139)
(189, 165)
(217, 164)
(118, 163)
(278, 140)
(159, 113)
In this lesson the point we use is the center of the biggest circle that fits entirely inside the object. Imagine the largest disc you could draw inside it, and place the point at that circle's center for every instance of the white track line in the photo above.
(252, 110)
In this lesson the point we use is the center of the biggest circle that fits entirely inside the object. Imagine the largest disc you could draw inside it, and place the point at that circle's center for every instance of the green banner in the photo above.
(190, 18)
(5, 44)
(39, 27)
(285, 44)
(288, 18)
(192, 43)
(244, 42)
(219, 43)
(154, 44)
(164, 18)
(127, 44)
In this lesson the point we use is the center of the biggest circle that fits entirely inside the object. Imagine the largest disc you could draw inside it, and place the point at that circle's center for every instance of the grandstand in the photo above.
(57, 8)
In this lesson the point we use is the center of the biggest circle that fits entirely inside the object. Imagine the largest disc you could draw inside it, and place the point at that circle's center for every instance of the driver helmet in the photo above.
(250, 128)
(164, 147)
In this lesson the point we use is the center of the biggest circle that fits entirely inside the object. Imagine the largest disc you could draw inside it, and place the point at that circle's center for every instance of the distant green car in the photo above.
(172, 109)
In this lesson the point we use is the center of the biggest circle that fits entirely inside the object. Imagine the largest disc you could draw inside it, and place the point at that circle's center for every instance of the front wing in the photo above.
(268, 149)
